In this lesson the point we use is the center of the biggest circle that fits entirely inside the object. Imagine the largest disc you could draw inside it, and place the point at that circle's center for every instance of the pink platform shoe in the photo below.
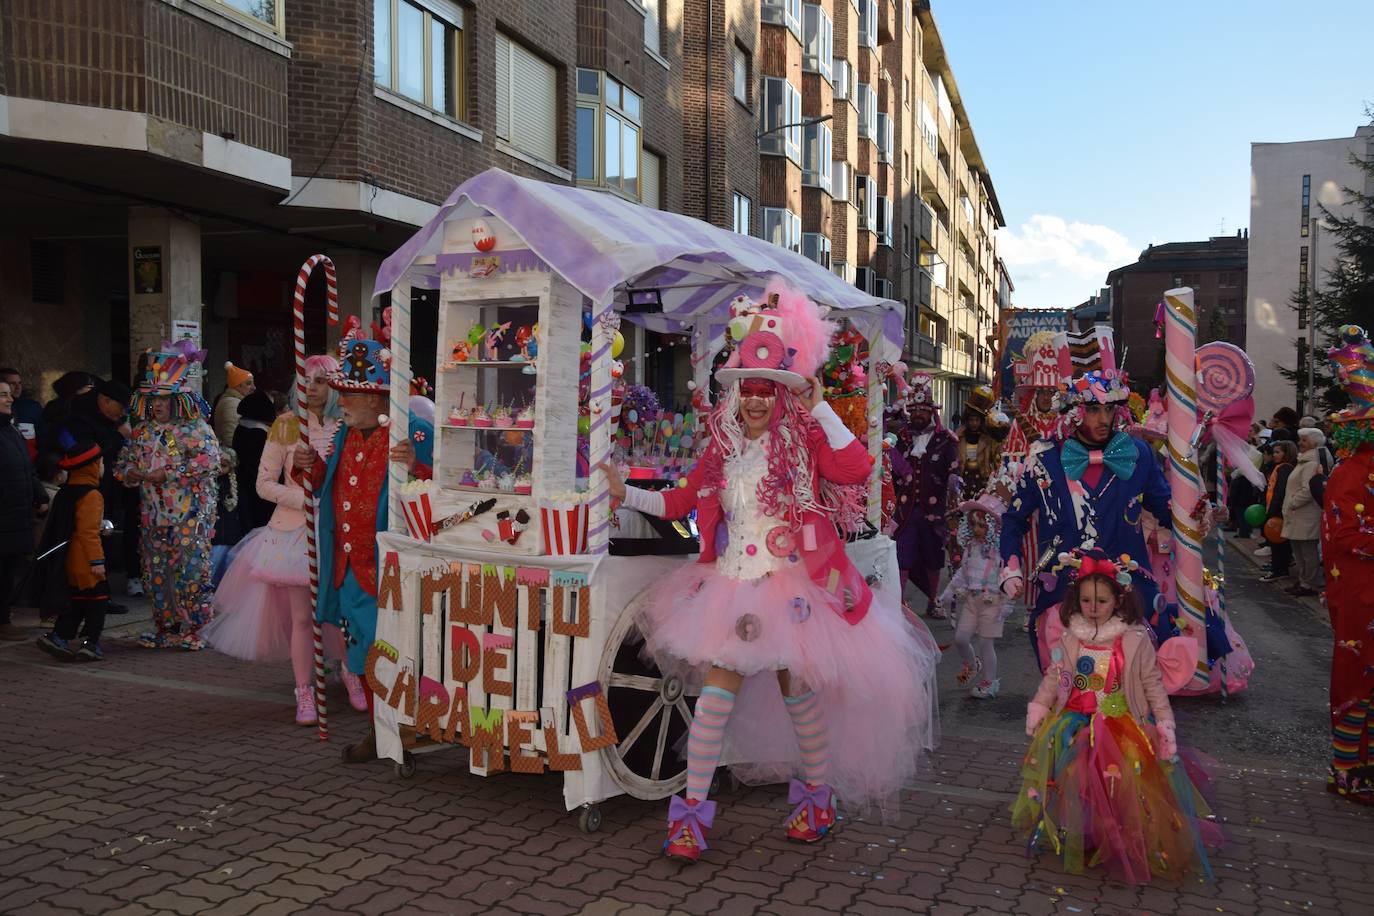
(357, 698)
(305, 706)
(688, 821)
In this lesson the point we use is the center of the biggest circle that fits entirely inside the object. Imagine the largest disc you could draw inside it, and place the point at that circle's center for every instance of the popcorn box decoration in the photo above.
(565, 525)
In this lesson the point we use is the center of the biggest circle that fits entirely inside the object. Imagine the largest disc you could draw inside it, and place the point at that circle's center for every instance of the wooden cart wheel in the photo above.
(652, 714)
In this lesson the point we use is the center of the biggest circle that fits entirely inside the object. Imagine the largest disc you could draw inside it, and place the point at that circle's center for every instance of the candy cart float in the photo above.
(501, 597)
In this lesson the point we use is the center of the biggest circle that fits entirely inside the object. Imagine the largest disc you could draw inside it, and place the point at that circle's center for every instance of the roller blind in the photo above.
(650, 165)
(526, 101)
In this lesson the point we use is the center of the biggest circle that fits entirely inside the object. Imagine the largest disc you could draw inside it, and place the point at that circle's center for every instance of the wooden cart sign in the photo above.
(471, 674)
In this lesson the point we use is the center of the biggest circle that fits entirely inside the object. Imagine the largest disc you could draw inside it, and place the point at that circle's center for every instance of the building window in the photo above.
(608, 133)
(842, 77)
(1302, 271)
(784, 12)
(868, 23)
(866, 199)
(906, 240)
(929, 133)
(417, 52)
(650, 180)
(863, 279)
(264, 12)
(841, 178)
(841, 270)
(884, 221)
(741, 222)
(884, 138)
(741, 72)
(780, 119)
(1228, 279)
(866, 100)
(816, 156)
(816, 247)
(906, 92)
(782, 228)
(1306, 202)
(818, 43)
(526, 101)
(651, 24)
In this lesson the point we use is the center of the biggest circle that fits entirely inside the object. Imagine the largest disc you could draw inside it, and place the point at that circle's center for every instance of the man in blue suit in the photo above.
(1088, 491)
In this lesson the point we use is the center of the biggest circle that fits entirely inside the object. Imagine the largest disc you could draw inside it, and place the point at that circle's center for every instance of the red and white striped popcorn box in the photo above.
(565, 528)
(419, 513)
(617, 398)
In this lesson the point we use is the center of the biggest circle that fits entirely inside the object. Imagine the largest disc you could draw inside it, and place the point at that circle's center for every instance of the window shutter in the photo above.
(650, 165)
(503, 87)
(533, 105)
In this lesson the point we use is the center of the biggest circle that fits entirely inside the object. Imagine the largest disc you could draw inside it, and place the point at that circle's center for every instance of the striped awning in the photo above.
(607, 247)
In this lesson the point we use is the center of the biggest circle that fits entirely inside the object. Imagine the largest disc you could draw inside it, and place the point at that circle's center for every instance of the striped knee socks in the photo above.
(704, 741)
(809, 723)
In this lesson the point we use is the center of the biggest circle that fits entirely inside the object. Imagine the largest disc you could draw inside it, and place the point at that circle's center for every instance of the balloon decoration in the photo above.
(617, 345)
(1254, 515)
(1273, 531)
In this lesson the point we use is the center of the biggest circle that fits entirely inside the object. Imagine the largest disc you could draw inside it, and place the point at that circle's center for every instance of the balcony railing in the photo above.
(924, 286)
(924, 350)
(957, 362)
(926, 229)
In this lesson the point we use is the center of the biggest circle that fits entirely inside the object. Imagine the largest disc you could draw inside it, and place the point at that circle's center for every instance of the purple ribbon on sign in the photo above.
(807, 800)
(692, 817)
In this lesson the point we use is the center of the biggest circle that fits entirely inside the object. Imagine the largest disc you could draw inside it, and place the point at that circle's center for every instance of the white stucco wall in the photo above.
(1276, 171)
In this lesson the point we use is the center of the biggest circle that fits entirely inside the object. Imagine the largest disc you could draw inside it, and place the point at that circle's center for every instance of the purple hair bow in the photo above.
(692, 817)
(186, 347)
(807, 801)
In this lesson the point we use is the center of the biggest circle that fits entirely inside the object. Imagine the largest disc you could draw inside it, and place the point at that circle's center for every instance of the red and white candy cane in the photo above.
(302, 412)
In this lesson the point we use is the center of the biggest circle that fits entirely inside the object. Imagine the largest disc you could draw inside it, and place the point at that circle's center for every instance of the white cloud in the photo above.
(1058, 264)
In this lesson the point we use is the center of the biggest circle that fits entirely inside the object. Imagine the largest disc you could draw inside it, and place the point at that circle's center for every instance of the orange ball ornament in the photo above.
(1273, 531)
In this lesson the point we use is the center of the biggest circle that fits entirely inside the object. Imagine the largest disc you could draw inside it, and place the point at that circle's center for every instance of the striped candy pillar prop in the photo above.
(1223, 501)
(605, 322)
(303, 414)
(399, 407)
(881, 355)
(1180, 341)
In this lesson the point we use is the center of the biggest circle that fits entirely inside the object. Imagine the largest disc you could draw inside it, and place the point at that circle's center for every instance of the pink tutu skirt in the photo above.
(875, 680)
(253, 601)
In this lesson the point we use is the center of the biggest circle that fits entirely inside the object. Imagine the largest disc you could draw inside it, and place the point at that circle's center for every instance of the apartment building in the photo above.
(1215, 269)
(168, 164)
(1290, 183)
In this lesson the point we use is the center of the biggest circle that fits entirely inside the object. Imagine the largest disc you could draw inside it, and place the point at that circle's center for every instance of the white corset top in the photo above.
(746, 556)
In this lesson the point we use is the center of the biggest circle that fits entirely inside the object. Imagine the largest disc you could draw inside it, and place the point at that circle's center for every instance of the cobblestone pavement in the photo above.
(164, 782)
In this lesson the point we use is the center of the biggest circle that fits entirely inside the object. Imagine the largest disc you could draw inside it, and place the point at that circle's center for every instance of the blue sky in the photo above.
(1107, 125)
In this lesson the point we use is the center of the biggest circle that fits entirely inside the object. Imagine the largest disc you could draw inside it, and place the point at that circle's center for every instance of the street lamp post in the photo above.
(804, 122)
(1311, 398)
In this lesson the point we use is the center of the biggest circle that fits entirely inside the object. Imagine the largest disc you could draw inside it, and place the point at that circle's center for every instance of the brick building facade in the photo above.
(1216, 270)
(235, 138)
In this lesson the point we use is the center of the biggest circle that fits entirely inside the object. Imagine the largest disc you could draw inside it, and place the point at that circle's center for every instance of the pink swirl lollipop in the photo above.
(1224, 375)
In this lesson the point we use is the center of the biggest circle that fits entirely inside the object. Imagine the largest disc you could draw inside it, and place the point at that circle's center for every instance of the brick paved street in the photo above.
(163, 782)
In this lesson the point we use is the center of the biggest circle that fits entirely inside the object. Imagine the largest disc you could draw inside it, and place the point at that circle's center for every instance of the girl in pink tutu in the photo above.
(263, 610)
(806, 668)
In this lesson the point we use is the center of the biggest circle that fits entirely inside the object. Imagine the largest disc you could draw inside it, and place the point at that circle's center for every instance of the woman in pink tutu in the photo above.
(806, 668)
(263, 610)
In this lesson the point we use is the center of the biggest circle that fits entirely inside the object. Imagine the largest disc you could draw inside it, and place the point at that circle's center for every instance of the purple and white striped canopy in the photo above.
(604, 246)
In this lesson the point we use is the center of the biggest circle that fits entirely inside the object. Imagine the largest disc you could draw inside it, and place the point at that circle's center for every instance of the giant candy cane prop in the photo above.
(1185, 481)
(303, 413)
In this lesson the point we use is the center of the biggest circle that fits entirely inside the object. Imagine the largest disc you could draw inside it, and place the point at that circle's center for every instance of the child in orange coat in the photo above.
(75, 519)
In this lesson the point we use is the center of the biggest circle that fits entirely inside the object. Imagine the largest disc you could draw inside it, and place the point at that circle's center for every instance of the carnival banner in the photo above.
(1016, 326)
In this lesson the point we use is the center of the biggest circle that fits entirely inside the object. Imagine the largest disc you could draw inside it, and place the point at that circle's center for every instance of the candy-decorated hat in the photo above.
(784, 338)
(1094, 561)
(1087, 369)
(1040, 366)
(165, 375)
(980, 401)
(364, 364)
(1354, 363)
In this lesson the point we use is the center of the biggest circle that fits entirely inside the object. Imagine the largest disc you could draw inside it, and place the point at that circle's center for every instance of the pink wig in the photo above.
(807, 330)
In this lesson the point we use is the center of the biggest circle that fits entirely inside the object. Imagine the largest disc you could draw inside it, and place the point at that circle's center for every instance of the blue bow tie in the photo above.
(1119, 457)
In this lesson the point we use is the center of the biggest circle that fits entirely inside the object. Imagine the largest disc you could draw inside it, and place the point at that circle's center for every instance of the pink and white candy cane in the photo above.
(1185, 482)
(303, 413)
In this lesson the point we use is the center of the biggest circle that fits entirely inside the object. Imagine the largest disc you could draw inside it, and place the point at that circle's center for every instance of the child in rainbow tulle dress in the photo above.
(1102, 782)
(975, 597)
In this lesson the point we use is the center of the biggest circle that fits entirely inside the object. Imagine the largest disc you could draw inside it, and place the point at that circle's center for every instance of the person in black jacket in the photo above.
(256, 414)
(21, 496)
